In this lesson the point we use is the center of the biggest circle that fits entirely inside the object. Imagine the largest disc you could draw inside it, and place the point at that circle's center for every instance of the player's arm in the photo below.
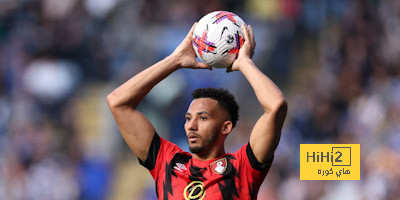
(266, 133)
(136, 130)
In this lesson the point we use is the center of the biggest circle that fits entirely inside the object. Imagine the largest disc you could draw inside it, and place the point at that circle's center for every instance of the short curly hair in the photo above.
(224, 98)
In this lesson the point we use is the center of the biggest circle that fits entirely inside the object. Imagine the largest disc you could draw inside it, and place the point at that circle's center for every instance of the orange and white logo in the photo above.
(219, 166)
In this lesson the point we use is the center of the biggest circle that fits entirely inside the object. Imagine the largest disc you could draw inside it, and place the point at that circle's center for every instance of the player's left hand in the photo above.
(246, 52)
(185, 54)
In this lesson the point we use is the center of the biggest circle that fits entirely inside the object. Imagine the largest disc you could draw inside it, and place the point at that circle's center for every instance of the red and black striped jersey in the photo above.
(180, 176)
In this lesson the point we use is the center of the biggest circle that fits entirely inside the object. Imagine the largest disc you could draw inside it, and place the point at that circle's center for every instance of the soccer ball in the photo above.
(217, 38)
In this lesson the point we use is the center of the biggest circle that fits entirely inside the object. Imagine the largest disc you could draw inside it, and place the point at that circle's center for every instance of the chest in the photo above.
(211, 172)
(212, 179)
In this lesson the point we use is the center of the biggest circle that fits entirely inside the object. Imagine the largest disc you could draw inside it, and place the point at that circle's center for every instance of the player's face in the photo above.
(203, 124)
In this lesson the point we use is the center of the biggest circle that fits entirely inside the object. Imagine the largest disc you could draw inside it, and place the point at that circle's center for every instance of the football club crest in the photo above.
(219, 166)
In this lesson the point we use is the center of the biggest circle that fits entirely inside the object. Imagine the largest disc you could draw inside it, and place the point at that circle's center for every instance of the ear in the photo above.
(227, 127)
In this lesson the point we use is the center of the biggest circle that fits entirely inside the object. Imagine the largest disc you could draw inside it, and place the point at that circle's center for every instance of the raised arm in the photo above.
(136, 130)
(266, 133)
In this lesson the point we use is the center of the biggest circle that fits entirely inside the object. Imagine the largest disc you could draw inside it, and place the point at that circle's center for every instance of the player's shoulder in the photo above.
(168, 146)
(240, 151)
(237, 156)
(245, 156)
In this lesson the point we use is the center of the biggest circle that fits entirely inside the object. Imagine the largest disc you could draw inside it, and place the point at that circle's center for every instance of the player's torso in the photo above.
(186, 178)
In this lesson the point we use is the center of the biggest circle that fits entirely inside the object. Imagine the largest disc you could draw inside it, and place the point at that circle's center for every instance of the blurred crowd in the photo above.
(337, 62)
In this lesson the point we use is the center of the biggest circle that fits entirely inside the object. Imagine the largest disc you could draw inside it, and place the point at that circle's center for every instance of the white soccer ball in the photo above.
(217, 38)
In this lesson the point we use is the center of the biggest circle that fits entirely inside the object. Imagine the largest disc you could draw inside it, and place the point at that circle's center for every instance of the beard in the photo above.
(196, 149)
(205, 143)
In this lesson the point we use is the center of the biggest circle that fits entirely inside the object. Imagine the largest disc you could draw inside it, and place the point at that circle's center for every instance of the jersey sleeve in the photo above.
(254, 162)
(251, 171)
(160, 152)
(252, 166)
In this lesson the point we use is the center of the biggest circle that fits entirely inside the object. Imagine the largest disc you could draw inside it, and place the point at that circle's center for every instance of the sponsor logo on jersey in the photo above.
(195, 190)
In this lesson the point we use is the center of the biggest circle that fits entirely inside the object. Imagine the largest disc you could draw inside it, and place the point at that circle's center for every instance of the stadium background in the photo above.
(337, 62)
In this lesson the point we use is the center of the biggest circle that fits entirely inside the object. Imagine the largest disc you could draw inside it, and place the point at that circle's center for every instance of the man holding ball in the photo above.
(209, 172)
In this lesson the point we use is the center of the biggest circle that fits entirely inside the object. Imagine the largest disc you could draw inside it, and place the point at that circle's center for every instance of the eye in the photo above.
(188, 118)
(203, 118)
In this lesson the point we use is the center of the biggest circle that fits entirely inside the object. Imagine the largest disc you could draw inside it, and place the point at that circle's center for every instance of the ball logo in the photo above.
(195, 190)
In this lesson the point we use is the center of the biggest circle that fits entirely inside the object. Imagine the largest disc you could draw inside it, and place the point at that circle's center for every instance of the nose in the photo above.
(191, 125)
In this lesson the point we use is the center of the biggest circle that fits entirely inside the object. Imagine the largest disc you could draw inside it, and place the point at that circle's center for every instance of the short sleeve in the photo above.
(161, 152)
(254, 162)
(150, 161)
(248, 159)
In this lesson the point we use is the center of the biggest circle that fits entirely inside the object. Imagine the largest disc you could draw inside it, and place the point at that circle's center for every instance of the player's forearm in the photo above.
(268, 94)
(135, 89)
